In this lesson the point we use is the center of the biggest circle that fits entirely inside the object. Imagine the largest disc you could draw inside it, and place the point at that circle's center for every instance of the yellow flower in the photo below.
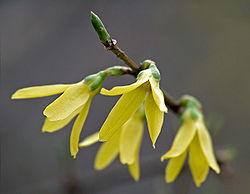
(145, 88)
(193, 138)
(75, 101)
(126, 142)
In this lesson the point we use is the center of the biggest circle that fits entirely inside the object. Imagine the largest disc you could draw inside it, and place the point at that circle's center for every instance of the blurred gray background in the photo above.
(201, 48)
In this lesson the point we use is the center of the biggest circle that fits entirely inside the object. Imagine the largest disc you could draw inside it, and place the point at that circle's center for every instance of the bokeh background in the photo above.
(201, 48)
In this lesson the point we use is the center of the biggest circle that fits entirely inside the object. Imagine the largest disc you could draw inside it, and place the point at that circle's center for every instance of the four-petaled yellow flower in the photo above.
(145, 88)
(126, 142)
(194, 138)
(75, 100)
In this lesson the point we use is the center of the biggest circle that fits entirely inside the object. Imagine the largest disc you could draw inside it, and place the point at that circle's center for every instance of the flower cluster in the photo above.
(192, 138)
(122, 131)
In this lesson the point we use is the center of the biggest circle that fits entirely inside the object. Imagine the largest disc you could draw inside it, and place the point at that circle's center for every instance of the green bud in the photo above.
(155, 72)
(145, 64)
(90, 78)
(193, 107)
(194, 113)
(102, 74)
(95, 80)
(98, 81)
(95, 84)
(115, 71)
(190, 101)
(100, 29)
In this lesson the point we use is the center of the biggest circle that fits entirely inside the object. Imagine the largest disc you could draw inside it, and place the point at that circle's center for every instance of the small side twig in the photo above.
(172, 104)
(119, 70)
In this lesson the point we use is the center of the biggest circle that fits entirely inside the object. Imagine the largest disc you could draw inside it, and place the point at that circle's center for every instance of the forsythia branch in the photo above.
(111, 45)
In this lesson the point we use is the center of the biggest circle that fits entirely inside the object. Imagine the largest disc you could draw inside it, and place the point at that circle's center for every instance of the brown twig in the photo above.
(121, 55)
(172, 104)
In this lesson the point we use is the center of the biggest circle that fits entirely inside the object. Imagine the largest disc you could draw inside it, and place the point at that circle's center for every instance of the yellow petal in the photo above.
(154, 118)
(206, 145)
(52, 126)
(118, 90)
(121, 112)
(40, 91)
(197, 162)
(182, 139)
(77, 128)
(158, 95)
(134, 169)
(107, 152)
(130, 140)
(74, 97)
(174, 167)
(89, 140)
